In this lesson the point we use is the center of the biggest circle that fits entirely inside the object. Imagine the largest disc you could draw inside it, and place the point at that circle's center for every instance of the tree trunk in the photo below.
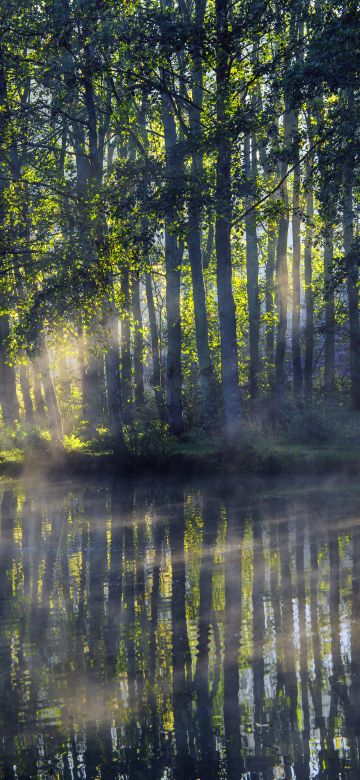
(126, 379)
(173, 259)
(309, 298)
(38, 395)
(155, 347)
(296, 223)
(282, 280)
(252, 264)
(26, 394)
(138, 342)
(93, 387)
(352, 287)
(8, 397)
(112, 367)
(207, 376)
(269, 302)
(328, 207)
(329, 368)
(227, 315)
(55, 422)
(351, 254)
(282, 293)
(173, 363)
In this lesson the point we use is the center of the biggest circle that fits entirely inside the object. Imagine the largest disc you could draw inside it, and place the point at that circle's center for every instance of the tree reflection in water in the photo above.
(179, 631)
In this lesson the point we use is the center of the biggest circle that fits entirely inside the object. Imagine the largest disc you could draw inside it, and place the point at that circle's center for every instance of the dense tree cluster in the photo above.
(179, 201)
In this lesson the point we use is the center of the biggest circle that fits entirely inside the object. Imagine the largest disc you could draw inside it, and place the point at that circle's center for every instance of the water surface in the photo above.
(186, 631)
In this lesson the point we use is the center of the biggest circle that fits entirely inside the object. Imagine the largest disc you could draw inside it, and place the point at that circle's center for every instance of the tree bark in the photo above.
(173, 259)
(155, 347)
(207, 376)
(296, 223)
(126, 377)
(26, 394)
(269, 302)
(94, 386)
(38, 395)
(138, 342)
(112, 367)
(54, 416)
(226, 304)
(309, 298)
(352, 277)
(8, 397)
(282, 279)
(329, 368)
(252, 264)
(173, 363)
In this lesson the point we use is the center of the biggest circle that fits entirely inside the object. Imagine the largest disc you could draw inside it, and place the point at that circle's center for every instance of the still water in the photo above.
(180, 630)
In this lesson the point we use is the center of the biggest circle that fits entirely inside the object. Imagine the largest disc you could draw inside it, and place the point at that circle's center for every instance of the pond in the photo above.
(180, 629)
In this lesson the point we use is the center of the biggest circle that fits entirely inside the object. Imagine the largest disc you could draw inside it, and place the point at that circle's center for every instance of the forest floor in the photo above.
(260, 456)
(312, 441)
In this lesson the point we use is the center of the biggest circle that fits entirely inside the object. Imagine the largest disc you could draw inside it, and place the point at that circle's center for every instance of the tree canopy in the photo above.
(179, 205)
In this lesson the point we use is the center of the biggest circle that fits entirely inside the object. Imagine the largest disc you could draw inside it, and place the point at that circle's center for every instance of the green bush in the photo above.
(309, 426)
(150, 441)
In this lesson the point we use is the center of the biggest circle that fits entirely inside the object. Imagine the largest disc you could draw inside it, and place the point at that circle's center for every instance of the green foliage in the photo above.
(310, 426)
(109, 144)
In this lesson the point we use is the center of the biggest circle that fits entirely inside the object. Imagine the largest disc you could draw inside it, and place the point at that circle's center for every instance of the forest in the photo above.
(179, 222)
(179, 390)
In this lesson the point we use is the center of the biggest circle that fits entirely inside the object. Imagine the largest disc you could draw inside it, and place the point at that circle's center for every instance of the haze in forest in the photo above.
(179, 203)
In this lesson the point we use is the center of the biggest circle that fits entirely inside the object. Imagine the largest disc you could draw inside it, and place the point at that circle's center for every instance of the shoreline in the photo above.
(273, 459)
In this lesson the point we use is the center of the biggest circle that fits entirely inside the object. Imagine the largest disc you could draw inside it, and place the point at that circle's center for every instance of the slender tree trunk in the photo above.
(282, 276)
(126, 378)
(352, 288)
(93, 387)
(92, 370)
(296, 222)
(38, 395)
(112, 368)
(173, 362)
(207, 376)
(329, 369)
(26, 394)
(82, 366)
(351, 254)
(8, 397)
(328, 214)
(309, 298)
(252, 264)
(282, 294)
(155, 346)
(54, 415)
(269, 302)
(138, 342)
(226, 304)
(173, 259)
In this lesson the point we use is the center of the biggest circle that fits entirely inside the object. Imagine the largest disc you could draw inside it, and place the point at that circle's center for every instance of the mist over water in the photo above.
(179, 630)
